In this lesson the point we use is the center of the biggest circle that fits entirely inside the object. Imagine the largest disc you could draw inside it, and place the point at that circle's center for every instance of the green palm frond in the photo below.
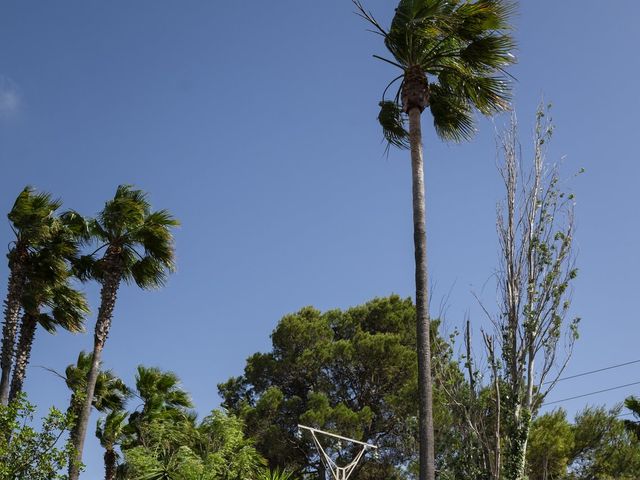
(86, 267)
(111, 429)
(482, 17)
(462, 47)
(161, 390)
(391, 119)
(69, 308)
(77, 225)
(452, 114)
(32, 215)
(489, 95)
(149, 273)
(488, 53)
(142, 239)
(111, 393)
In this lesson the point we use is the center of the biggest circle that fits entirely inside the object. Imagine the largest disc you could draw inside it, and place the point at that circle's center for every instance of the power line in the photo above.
(594, 371)
(590, 393)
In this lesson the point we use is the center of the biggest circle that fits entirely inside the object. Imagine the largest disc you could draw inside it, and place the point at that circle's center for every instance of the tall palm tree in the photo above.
(110, 431)
(67, 309)
(48, 286)
(138, 247)
(33, 221)
(451, 55)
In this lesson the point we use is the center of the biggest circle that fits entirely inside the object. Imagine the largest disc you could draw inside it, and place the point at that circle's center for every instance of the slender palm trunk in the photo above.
(27, 335)
(109, 464)
(11, 315)
(425, 393)
(108, 296)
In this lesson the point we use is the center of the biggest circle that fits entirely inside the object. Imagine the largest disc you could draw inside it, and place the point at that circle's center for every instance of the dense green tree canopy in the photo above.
(595, 446)
(353, 372)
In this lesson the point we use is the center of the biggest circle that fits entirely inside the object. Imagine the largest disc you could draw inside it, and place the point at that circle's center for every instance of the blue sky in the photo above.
(254, 122)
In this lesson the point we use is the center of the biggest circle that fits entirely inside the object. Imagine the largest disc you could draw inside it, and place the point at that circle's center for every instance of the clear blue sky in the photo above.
(254, 122)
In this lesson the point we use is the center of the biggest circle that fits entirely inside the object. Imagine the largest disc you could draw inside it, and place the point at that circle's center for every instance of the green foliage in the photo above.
(551, 443)
(110, 392)
(596, 445)
(139, 241)
(32, 453)
(32, 216)
(460, 50)
(603, 448)
(175, 447)
(633, 405)
(352, 371)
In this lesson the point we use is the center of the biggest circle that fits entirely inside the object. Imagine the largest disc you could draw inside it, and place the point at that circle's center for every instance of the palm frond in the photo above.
(452, 114)
(489, 53)
(392, 120)
(32, 215)
(149, 273)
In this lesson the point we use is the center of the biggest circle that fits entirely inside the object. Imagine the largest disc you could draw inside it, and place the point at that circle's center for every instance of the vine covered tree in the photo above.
(451, 56)
(137, 246)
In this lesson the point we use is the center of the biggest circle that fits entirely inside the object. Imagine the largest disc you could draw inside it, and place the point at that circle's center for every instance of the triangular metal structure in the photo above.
(338, 473)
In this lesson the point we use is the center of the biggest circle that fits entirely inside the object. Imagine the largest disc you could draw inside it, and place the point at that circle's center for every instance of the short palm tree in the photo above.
(110, 393)
(138, 247)
(110, 431)
(33, 220)
(162, 398)
(451, 56)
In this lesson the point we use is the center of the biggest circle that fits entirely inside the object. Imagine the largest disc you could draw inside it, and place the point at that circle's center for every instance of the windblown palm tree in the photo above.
(451, 55)
(161, 396)
(48, 287)
(33, 221)
(110, 393)
(110, 431)
(138, 247)
(66, 308)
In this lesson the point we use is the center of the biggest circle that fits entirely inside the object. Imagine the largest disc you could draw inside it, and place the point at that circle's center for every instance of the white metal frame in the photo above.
(339, 473)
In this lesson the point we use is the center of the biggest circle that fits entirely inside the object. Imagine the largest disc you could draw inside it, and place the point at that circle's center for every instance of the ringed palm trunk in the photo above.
(108, 295)
(109, 464)
(25, 343)
(415, 99)
(11, 315)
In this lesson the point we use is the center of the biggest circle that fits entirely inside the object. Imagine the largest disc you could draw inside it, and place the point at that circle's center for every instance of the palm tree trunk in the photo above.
(108, 295)
(27, 334)
(109, 464)
(425, 393)
(11, 314)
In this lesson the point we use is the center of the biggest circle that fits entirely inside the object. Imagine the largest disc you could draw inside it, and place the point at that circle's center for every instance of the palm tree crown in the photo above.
(138, 242)
(452, 54)
(110, 393)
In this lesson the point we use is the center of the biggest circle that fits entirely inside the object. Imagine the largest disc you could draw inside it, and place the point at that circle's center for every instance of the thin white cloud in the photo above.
(10, 98)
